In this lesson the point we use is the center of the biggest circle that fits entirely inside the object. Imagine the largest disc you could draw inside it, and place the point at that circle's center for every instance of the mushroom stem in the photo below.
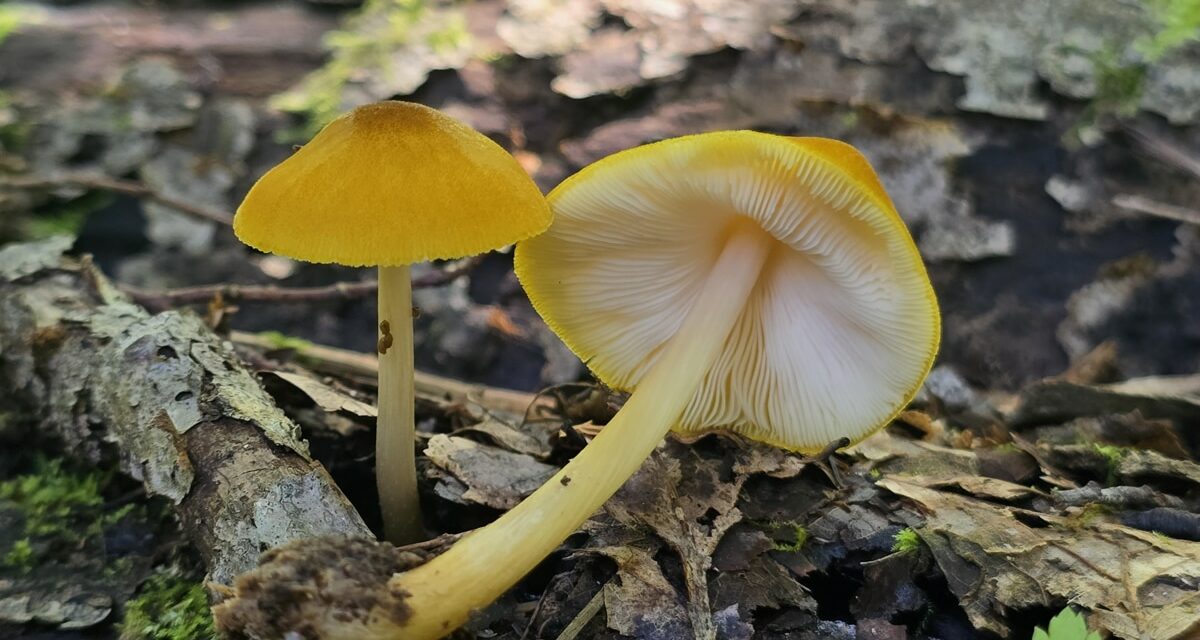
(395, 431)
(482, 566)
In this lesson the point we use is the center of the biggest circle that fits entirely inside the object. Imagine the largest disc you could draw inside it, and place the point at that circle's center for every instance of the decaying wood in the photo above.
(167, 398)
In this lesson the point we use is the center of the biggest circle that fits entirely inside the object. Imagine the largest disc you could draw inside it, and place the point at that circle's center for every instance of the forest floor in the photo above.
(1044, 154)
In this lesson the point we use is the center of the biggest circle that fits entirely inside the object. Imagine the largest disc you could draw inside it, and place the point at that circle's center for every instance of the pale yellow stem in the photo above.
(485, 564)
(395, 466)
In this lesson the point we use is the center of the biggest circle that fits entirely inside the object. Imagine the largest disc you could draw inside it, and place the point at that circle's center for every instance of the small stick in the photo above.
(364, 367)
(1145, 205)
(1165, 149)
(128, 187)
(585, 616)
(824, 461)
(440, 541)
(160, 300)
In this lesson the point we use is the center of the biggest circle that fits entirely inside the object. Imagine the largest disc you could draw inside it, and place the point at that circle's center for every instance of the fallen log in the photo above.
(166, 398)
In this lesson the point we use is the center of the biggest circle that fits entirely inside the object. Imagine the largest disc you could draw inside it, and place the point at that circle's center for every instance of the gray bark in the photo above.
(169, 400)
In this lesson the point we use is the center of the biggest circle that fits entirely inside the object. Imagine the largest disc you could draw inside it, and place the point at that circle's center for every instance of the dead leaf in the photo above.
(530, 440)
(888, 586)
(656, 41)
(1049, 402)
(642, 604)
(892, 454)
(537, 28)
(489, 476)
(323, 395)
(980, 487)
(1136, 584)
(765, 584)
(690, 512)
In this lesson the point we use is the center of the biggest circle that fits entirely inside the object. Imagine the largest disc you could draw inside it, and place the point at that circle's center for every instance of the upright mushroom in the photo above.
(388, 185)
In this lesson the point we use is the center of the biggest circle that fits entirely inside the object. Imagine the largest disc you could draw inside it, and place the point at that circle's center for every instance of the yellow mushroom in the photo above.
(740, 280)
(388, 185)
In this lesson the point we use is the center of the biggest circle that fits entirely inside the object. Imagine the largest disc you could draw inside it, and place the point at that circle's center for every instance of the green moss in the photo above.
(365, 45)
(1119, 84)
(20, 556)
(279, 340)
(60, 509)
(1090, 514)
(14, 132)
(906, 541)
(168, 607)
(1178, 23)
(11, 17)
(1112, 457)
(799, 537)
(67, 218)
(1067, 625)
(1121, 69)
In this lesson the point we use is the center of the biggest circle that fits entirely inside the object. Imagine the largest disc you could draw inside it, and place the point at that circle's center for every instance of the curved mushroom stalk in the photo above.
(442, 593)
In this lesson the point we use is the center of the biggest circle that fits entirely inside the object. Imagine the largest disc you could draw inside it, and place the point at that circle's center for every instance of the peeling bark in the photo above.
(169, 400)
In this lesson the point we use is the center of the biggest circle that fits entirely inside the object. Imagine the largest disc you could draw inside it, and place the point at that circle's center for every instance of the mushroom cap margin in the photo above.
(813, 168)
(392, 183)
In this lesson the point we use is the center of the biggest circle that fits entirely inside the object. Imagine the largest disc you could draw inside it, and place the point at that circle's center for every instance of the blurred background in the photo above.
(1045, 153)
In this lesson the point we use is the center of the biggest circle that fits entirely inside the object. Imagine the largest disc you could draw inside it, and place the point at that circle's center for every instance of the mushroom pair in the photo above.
(388, 185)
(736, 280)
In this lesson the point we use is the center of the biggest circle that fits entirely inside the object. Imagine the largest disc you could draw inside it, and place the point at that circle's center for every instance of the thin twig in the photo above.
(159, 300)
(128, 187)
(1164, 149)
(538, 609)
(1145, 205)
(585, 616)
(443, 540)
(364, 367)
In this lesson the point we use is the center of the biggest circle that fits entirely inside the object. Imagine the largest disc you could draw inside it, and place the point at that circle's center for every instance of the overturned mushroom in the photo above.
(739, 280)
(736, 279)
(390, 184)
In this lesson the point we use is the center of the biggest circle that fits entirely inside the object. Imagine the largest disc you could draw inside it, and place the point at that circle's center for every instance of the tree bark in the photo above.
(169, 400)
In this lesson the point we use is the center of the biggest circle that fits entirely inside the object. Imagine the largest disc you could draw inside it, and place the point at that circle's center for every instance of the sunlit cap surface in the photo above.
(392, 183)
(842, 325)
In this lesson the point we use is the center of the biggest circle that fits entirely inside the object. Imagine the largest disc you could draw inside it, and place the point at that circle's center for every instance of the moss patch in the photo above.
(906, 541)
(800, 536)
(1112, 457)
(59, 509)
(168, 607)
(367, 46)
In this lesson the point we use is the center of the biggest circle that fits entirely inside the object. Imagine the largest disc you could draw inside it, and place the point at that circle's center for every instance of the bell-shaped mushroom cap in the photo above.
(841, 327)
(392, 183)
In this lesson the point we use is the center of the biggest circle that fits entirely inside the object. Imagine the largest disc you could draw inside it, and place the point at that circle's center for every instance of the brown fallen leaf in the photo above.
(323, 395)
(642, 603)
(687, 503)
(1049, 402)
(530, 439)
(488, 475)
(678, 508)
(979, 486)
(1134, 584)
(892, 454)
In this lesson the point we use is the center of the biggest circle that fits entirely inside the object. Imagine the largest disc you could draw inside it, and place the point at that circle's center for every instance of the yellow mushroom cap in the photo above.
(388, 184)
(841, 327)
